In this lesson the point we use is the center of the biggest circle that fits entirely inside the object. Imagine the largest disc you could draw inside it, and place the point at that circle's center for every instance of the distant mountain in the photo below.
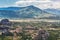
(26, 12)
(12, 8)
(8, 14)
(54, 11)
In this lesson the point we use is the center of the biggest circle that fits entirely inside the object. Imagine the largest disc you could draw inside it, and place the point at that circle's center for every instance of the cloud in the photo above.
(55, 0)
(54, 5)
(39, 0)
(34, 0)
(30, 2)
(42, 4)
(23, 3)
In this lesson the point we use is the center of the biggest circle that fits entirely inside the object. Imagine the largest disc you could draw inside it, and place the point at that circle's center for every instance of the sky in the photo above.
(42, 4)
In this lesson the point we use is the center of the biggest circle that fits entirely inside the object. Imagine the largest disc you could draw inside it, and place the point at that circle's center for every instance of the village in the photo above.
(22, 33)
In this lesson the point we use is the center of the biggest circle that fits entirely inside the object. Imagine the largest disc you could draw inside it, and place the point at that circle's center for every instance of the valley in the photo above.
(35, 20)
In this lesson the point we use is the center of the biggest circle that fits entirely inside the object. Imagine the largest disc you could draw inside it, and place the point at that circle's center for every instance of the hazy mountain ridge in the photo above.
(26, 12)
(12, 8)
(54, 11)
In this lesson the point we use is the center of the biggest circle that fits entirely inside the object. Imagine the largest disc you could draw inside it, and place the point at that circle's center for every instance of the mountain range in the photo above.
(26, 12)
(54, 11)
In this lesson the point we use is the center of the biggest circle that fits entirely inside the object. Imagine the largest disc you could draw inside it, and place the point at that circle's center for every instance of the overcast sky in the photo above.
(43, 4)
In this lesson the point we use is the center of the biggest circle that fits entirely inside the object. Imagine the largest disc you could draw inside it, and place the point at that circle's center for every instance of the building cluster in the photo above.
(36, 33)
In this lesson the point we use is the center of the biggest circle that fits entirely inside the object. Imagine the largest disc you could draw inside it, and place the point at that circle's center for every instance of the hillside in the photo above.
(26, 12)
